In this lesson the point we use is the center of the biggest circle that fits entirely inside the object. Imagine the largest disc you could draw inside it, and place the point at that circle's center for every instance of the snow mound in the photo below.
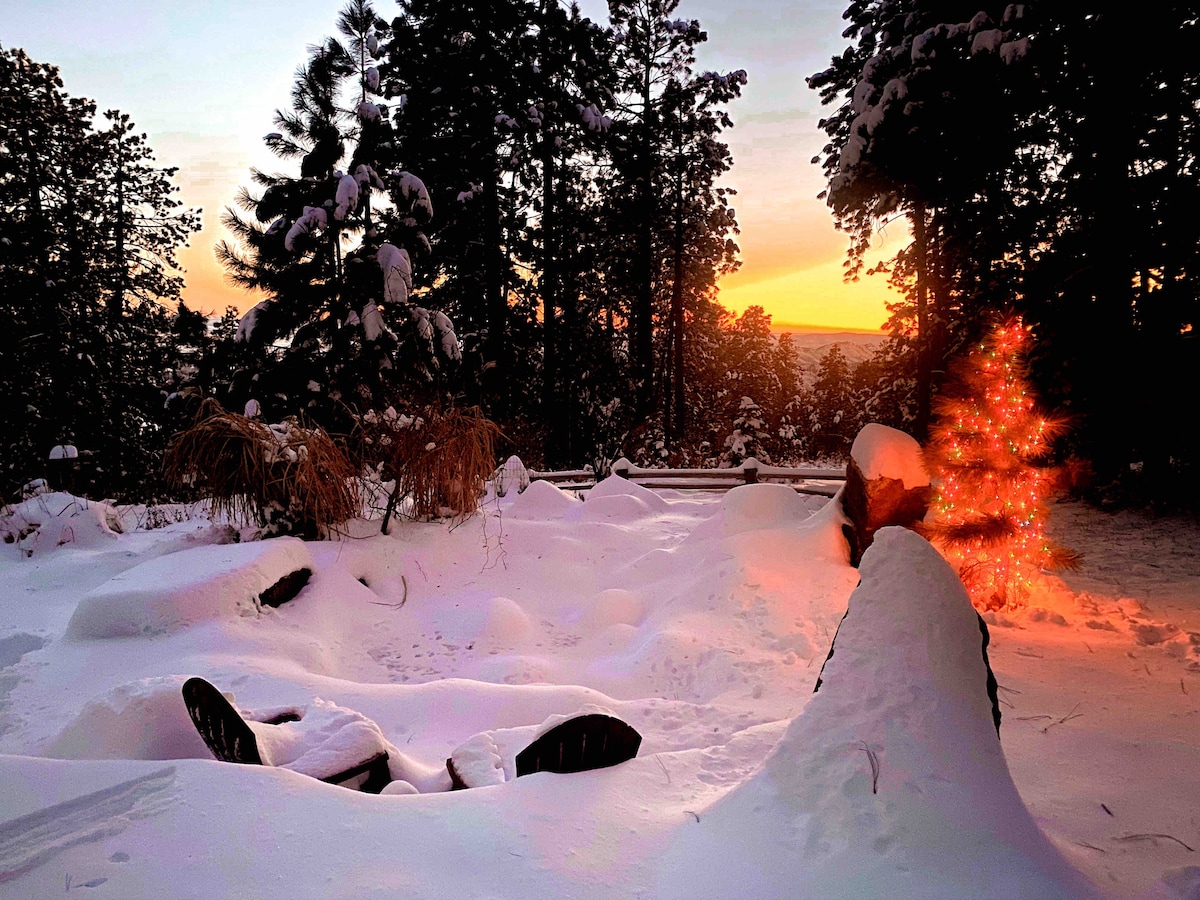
(616, 486)
(542, 500)
(614, 606)
(49, 521)
(617, 508)
(883, 452)
(173, 591)
(144, 719)
(749, 507)
(892, 781)
(770, 508)
(493, 622)
(490, 757)
(618, 499)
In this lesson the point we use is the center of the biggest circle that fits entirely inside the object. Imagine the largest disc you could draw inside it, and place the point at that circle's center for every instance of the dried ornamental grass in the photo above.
(441, 461)
(287, 478)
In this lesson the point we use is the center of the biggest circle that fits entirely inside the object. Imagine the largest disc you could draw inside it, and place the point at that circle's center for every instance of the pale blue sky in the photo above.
(203, 79)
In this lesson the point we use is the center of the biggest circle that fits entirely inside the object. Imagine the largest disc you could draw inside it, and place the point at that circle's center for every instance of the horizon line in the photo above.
(806, 328)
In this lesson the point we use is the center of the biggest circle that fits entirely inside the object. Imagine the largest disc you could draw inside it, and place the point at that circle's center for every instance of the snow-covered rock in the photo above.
(180, 589)
(142, 719)
(886, 484)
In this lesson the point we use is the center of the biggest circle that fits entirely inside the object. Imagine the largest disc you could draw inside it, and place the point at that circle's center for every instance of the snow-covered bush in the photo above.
(48, 520)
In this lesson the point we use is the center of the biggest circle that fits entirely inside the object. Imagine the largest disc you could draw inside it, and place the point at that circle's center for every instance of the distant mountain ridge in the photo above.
(811, 347)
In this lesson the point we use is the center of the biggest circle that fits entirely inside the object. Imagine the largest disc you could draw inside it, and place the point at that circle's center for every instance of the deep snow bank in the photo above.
(891, 783)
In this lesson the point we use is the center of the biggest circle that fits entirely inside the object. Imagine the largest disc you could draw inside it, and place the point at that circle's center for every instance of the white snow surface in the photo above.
(703, 620)
(180, 589)
(397, 272)
(883, 452)
(314, 218)
(347, 197)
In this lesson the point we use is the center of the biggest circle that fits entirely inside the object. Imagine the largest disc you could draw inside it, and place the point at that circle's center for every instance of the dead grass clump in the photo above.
(440, 460)
(286, 478)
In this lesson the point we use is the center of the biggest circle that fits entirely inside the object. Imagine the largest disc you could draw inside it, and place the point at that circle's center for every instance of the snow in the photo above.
(248, 321)
(593, 118)
(413, 191)
(372, 321)
(347, 197)
(447, 339)
(701, 619)
(164, 594)
(883, 452)
(1014, 51)
(511, 476)
(987, 41)
(314, 218)
(893, 768)
(365, 175)
(397, 273)
(51, 520)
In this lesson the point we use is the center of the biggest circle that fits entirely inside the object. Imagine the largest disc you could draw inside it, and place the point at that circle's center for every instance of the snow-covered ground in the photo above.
(701, 619)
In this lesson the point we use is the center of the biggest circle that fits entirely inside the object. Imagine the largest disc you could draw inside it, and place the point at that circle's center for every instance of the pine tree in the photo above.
(832, 420)
(984, 454)
(466, 86)
(337, 271)
(87, 252)
(926, 127)
(750, 436)
(672, 223)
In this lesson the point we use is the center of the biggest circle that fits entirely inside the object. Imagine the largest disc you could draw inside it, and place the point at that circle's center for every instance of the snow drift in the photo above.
(891, 783)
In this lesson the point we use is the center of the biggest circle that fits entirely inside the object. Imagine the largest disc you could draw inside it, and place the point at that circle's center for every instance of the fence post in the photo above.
(621, 468)
(750, 470)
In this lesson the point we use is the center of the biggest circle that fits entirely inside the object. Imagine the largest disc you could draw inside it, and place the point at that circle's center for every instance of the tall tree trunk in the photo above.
(548, 281)
(679, 420)
(1161, 312)
(116, 300)
(643, 301)
(924, 338)
(551, 378)
(495, 298)
(1109, 150)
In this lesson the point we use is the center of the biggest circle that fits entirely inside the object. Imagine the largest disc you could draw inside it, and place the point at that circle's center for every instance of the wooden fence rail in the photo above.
(805, 480)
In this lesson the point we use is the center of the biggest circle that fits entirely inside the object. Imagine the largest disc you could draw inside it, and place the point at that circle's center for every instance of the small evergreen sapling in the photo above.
(984, 454)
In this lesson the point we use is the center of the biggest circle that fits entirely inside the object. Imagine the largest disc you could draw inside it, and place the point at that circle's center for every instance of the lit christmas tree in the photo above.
(989, 508)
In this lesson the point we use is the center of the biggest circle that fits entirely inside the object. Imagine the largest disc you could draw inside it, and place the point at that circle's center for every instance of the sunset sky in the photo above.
(203, 79)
